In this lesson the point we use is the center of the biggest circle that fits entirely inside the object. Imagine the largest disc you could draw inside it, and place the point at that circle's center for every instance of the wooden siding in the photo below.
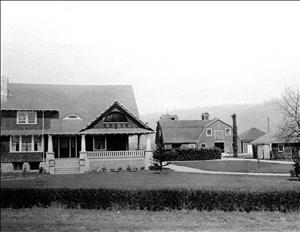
(9, 121)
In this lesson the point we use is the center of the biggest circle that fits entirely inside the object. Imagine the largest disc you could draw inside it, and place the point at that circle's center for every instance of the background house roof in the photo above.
(182, 131)
(87, 101)
(251, 134)
(272, 137)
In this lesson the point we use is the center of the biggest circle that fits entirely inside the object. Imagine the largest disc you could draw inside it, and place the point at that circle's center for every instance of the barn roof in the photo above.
(272, 137)
(182, 131)
(251, 134)
(87, 101)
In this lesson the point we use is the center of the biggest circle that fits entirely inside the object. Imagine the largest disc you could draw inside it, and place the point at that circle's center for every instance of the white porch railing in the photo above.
(115, 154)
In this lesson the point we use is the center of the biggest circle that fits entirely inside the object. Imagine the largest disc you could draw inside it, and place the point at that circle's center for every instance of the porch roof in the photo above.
(132, 131)
(21, 132)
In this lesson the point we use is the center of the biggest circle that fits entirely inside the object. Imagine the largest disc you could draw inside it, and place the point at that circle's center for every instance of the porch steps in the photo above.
(67, 166)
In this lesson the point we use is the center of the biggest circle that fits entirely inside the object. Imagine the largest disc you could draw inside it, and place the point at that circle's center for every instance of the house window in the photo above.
(26, 117)
(34, 165)
(15, 143)
(18, 166)
(203, 145)
(208, 132)
(115, 117)
(99, 143)
(227, 131)
(26, 143)
(72, 117)
(37, 140)
(280, 148)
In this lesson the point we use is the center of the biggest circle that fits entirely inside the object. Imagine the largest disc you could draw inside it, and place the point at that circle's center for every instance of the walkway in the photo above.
(195, 170)
(255, 160)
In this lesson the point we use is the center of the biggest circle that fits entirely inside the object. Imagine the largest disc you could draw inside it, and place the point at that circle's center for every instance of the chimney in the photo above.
(205, 116)
(4, 88)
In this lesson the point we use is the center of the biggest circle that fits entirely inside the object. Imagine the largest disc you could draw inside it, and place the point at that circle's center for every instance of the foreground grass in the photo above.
(237, 166)
(58, 219)
(154, 180)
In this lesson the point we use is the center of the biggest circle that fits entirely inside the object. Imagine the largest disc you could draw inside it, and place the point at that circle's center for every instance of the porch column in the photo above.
(83, 159)
(50, 143)
(50, 160)
(139, 142)
(148, 143)
(83, 149)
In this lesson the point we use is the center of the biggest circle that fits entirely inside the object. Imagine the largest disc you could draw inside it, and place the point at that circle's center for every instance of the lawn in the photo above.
(236, 166)
(154, 180)
(58, 219)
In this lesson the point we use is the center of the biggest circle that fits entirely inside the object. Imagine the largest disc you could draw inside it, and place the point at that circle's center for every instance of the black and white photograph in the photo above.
(150, 116)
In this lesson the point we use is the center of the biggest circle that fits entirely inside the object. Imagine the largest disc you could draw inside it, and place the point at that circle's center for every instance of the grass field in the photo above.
(237, 166)
(58, 219)
(154, 180)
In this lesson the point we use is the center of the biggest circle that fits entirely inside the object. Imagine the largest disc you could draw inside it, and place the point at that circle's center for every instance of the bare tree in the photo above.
(290, 109)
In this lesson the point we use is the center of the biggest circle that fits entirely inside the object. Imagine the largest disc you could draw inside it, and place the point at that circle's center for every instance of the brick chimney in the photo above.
(4, 88)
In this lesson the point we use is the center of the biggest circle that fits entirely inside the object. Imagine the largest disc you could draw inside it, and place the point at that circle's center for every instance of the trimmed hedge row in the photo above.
(155, 200)
(193, 154)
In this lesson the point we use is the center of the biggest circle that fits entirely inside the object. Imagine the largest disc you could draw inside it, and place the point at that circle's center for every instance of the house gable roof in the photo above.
(251, 134)
(182, 131)
(116, 104)
(83, 100)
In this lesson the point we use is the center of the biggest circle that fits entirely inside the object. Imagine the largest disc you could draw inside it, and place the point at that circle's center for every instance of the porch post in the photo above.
(139, 142)
(83, 159)
(83, 149)
(50, 160)
(148, 152)
(148, 144)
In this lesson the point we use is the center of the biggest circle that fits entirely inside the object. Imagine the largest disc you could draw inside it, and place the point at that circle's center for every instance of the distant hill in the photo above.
(248, 115)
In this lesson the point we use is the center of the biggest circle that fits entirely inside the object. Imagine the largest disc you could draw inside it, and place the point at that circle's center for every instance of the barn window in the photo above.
(26, 117)
(227, 131)
(115, 117)
(208, 132)
(280, 148)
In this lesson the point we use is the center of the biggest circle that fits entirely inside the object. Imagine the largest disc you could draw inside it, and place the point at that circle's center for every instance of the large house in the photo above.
(71, 128)
(204, 133)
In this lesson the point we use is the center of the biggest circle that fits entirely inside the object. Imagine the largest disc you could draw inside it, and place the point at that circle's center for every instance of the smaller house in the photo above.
(270, 146)
(247, 137)
(204, 133)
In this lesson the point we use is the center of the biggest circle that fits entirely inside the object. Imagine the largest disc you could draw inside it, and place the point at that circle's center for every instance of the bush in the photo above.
(119, 169)
(128, 168)
(142, 168)
(162, 199)
(194, 154)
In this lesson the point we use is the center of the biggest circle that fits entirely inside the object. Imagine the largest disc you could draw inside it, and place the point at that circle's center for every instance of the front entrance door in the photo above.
(220, 145)
(117, 142)
(67, 147)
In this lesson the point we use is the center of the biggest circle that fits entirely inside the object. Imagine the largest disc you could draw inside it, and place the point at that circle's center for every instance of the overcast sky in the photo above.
(174, 54)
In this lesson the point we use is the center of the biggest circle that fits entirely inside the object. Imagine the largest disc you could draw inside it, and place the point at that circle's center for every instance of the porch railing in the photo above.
(115, 154)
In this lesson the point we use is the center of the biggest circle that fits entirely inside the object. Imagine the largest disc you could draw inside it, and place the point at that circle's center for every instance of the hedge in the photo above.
(193, 154)
(155, 200)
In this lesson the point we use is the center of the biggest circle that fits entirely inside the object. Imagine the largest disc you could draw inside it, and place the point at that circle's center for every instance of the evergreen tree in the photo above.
(234, 136)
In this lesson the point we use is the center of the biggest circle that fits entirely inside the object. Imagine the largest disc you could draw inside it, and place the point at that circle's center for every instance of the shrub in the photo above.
(142, 168)
(104, 169)
(112, 170)
(193, 154)
(119, 169)
(135, 169)
(128, 168)
(161, 199)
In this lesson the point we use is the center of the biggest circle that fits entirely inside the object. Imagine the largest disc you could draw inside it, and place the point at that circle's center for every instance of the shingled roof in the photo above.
(86, 101)
(182, 131)
(272, 137)
(251, 134)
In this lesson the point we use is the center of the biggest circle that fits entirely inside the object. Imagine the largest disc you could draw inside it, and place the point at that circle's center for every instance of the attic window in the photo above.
(115, 117)
(72, 117)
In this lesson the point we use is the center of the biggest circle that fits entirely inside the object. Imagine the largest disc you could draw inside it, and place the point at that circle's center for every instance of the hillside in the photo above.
(248, 115)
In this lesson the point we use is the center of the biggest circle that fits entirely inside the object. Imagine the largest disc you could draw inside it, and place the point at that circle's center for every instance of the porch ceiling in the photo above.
(132, 131)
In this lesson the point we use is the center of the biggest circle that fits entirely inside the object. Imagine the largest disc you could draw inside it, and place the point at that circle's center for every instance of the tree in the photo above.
(290, 109)
(290, 129)
(234, 136)
(160, 157)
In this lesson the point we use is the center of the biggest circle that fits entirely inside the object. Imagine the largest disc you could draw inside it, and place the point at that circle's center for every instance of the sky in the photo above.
(174, 54)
